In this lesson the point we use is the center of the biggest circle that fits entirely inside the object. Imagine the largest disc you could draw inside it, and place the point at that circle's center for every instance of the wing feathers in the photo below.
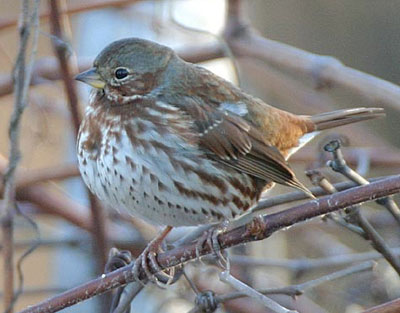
(235, 143)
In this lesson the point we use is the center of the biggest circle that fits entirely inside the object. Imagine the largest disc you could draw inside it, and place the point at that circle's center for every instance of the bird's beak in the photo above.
(92, 78)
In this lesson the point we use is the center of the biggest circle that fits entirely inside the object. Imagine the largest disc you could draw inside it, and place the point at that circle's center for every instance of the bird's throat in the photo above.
(118, 99)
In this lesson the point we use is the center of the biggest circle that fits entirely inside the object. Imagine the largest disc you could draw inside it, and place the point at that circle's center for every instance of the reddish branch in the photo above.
(97, 213)
(258, 229)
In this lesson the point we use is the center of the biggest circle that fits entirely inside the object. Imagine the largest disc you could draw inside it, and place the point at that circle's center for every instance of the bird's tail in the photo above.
(343, 117)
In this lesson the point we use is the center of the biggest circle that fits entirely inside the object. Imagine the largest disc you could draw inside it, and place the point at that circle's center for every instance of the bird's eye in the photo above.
(121, 73)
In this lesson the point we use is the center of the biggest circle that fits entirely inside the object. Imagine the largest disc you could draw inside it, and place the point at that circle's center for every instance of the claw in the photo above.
(210, 237)
(147, 261)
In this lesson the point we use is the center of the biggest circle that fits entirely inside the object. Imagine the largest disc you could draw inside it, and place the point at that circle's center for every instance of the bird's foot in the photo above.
(117, 259)
(147, 261)
(210, 238)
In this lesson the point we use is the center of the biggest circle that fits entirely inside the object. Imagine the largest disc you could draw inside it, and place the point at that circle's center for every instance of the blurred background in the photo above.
(363, 34)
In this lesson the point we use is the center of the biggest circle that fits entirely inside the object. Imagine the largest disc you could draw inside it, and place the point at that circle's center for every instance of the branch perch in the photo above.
(258, 229)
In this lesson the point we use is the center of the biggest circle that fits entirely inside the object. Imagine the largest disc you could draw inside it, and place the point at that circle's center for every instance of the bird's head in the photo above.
(128, 68)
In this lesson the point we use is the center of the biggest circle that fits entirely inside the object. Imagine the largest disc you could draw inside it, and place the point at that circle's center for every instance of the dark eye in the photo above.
(121, 73)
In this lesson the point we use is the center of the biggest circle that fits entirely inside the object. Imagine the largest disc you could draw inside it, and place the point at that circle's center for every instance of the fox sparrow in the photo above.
(176, 145)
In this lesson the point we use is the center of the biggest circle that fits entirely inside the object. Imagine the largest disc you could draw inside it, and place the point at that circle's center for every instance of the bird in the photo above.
(174, 144)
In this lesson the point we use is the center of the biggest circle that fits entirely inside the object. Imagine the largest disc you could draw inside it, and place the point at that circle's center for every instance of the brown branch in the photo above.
(258, 229)
(61, 51)
(25, 177)
(338, 164)
(35, 176)
(56, 204)
(324, 71)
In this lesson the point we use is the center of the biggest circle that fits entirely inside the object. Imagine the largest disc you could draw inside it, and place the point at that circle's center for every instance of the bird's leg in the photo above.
(210, 237)
(149, 255)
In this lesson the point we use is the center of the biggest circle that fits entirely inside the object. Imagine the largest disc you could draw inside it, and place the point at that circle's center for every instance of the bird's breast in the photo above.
(156, 171)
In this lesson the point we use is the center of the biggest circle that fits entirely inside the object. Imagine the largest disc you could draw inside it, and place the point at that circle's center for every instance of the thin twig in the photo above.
(338, 164)
(34, 245)
(256, 230)
(318, 179)
(251, 292)
(22, 75)
(299, 289)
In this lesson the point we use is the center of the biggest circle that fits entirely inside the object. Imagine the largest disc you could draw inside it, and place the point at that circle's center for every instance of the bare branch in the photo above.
(258, 229)
(22, 75)
(338, 164)
(325, 71)
(251, 292)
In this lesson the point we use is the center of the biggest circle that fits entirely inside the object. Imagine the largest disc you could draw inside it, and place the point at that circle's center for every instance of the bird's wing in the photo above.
(231, 140)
